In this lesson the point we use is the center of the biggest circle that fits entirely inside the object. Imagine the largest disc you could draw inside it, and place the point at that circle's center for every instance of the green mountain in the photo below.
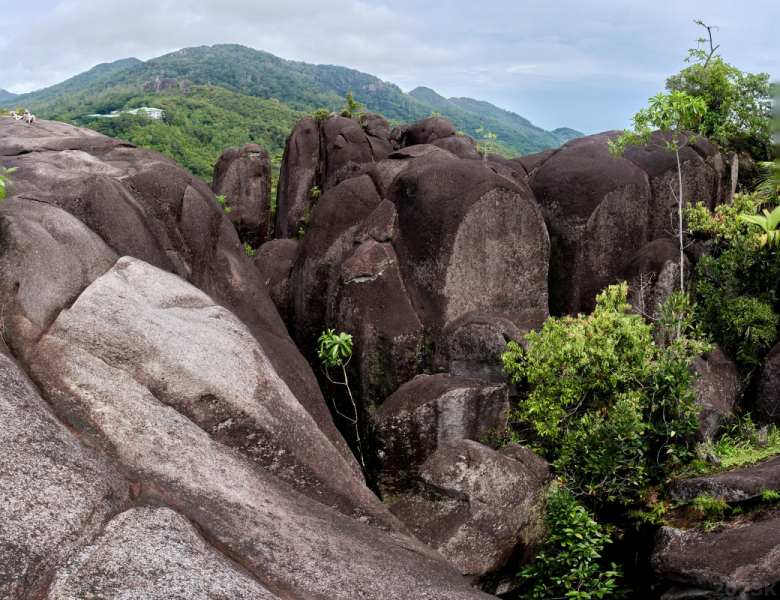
(4, 96)
(217, 96)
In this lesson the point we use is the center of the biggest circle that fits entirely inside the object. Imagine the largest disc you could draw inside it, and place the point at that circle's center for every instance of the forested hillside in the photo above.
(217, 96)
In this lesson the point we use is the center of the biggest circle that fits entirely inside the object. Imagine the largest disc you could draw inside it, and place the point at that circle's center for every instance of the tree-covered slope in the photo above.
(215, 96)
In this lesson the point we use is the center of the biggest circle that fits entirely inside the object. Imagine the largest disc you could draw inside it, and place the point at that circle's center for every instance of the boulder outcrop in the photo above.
(742, 559)
(406, 246)
(733, 486)
(718, 388)
(480, 509)
(275, 260)
(600, 210)
(425, 414)
(319, 156)
(243, 177)
(472, 345)
(143, 205)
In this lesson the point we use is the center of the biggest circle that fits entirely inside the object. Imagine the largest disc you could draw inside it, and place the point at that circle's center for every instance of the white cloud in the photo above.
(505, 52)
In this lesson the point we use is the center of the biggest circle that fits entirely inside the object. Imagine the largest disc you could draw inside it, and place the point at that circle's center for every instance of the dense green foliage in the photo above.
(200, 124)
(738, 103)
(738, 282)
(609, 407)
(567, 563)
(334, 348)
(224, 95)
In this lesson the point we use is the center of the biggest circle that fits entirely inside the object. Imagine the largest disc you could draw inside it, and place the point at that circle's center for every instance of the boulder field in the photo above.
(169, 432)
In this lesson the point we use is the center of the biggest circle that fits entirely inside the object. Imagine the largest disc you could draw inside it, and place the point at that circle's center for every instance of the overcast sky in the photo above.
(588, 65)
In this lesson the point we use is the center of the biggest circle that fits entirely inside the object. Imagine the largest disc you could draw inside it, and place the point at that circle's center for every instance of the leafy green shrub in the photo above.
(607, 406)
(738, 103)
(320, 115)
(223, 202)
(4, 180)
(738, 282)
(743, 443)
(567, 564)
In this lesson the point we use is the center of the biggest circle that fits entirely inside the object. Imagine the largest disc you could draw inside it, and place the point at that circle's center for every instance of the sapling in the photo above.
(336, 351)
(675, 113)
(4, 180)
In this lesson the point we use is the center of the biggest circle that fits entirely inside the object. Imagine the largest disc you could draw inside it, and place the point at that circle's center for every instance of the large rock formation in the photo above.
(243, 177)
(408, 245)
(143, 205)
(176, 387)
(733, 486)
(480, 509)
(718, 388)
(425, 414)
(317, 157)
(600, 210)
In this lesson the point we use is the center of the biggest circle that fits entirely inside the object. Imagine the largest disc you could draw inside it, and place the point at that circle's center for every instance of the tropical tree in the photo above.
(675, 114)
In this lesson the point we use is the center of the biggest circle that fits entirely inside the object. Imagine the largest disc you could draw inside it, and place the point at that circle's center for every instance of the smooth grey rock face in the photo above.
(741, 559)
(47, 258)
(297, 547)
(425, 414)
(732, 486)
(156, 554)
(55, 493)
(275, 260)
(480, 509)
(198, 358)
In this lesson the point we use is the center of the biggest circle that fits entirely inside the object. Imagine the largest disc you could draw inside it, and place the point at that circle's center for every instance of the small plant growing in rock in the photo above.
(316, 192)
(335, 350)
(250, 252)
(223, 201)
(353, 110)
(304, 224)
(320, 115)
(4, 180)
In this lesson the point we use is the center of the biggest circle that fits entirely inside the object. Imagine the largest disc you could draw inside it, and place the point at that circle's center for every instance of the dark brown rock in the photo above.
(462, 146)
(472, 345)
(732, 486)
(531, 162)
(330, 235)
(16, 137)
(480, 509)
(601, 210)
(297, 177)
(345, 148)
(653, 274)
(427, 131)
(769, 385)
(719, 388)
(423, 415)
(275, 261)
(375, 126)
(487, 250)
(243, 176)
(742, 559)
(369, 300)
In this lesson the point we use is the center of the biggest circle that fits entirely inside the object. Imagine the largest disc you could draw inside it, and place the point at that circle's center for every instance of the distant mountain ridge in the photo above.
(4, 95)
(292, 88)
